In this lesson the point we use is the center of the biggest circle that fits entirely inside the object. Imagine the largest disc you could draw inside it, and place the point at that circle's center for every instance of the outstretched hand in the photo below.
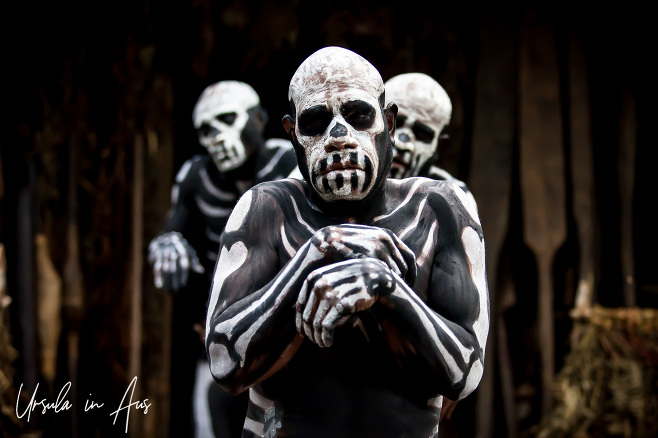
(350, 241)
(172, 258)
(331, 294)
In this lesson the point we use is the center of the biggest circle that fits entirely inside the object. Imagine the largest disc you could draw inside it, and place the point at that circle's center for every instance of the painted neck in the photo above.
(356, 211)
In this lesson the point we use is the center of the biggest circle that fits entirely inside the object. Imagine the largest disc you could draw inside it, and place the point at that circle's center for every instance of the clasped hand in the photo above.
(363, 260)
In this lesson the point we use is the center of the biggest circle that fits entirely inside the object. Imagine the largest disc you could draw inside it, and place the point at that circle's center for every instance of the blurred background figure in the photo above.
(229, 121)
(424, 110)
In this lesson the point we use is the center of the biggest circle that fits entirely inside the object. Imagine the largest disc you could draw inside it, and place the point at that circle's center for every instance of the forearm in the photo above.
(449, 353)
(256, 336)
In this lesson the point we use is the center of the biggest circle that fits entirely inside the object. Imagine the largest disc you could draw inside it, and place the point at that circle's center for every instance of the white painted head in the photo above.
(338, 119)
(220, 116)
(424, 110)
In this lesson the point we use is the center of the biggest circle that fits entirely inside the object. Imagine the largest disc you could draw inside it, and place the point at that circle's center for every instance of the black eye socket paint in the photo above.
(227, 118)
(400, 120)
(359, 114)
(423, 132)
(314, 121)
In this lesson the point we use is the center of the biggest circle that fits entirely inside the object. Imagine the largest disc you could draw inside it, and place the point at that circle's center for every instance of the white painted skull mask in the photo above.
(223, 117)
(424, 109)
(339, 127)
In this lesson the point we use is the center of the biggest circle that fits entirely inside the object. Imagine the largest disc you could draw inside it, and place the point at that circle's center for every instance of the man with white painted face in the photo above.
(348, 304)
(424, 110)
(229, 121)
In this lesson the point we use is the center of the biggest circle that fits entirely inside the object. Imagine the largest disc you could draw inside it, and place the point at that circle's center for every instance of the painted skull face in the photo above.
(220, 117)
(337, 98)
(424, 109)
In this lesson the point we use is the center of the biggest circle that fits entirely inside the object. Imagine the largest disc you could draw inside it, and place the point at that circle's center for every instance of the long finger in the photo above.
(322, 310)
(157, 273)
(308, 310)
(301, 299)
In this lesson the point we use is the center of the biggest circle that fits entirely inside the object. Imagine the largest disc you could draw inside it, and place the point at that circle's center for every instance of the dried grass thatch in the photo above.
(608, 386)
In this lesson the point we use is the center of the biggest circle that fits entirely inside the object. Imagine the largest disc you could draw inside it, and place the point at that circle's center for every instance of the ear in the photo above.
(289, 125)
(260, 118)
(391, 112)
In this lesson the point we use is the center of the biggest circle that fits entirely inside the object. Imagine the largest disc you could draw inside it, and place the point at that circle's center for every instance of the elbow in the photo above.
(470, 381)
(223, 368)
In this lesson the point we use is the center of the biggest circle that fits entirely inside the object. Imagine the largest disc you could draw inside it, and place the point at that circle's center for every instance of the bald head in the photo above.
(334, 69)
(224, 97)
(424, 109)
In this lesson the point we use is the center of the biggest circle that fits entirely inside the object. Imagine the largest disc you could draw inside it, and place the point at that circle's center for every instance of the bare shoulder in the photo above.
(261, 207)
(444, 197)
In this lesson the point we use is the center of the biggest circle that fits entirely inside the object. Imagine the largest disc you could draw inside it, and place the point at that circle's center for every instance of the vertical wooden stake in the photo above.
(582, 170)
(134, 365)
(542, 173)
(627, 146)
(490, 178)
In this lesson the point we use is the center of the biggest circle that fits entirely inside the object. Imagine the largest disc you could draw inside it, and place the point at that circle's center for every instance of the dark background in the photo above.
(97, 118)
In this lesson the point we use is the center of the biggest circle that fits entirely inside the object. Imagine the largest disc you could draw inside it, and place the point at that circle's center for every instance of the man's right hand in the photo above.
(351, 241)
(172, 257)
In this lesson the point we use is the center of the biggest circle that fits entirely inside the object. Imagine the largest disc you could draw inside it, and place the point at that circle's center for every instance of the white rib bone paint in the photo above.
(230, 261)
(212, 189)
(210, 210)
(213, 236)
(239, 212)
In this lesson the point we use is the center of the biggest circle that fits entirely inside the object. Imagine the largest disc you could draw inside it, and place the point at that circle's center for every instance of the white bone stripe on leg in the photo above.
(239, 213)
(412, 191)
(214, 190)
(209, 210)
(273, 162)
(259, 400)
(254, 426)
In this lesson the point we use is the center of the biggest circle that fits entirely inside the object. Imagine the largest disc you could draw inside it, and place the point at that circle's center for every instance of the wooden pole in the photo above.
(490, 179)
(582, 171)
(134, 367)
(627, 146)
(542, 174)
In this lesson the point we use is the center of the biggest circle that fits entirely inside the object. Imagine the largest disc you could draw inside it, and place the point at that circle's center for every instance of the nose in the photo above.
(339, 139)
(403, 138)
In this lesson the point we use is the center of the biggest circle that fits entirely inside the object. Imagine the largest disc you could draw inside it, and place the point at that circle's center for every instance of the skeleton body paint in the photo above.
(348, 315)
(424, 110)
(229, 121)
